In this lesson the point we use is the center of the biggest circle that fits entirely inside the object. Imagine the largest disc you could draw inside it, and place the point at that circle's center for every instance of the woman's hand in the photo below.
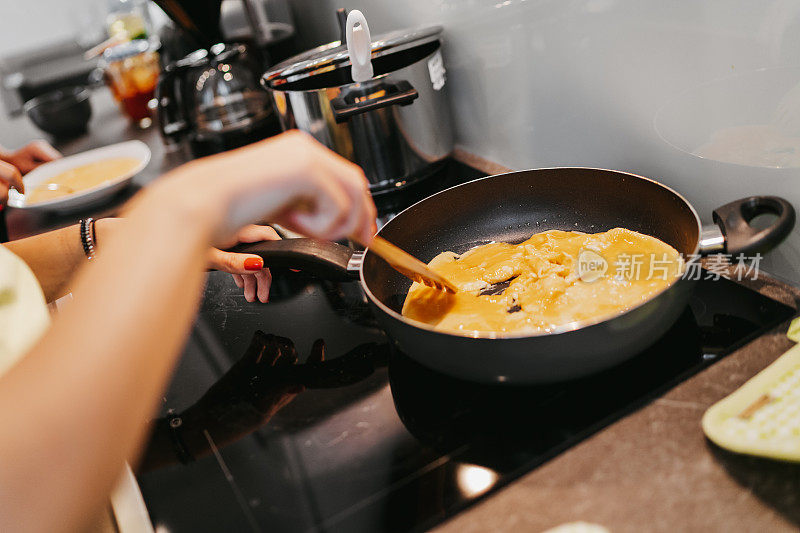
(247, 269)
(30, 156)
(9, 177)
(13, 165)
(290, 179)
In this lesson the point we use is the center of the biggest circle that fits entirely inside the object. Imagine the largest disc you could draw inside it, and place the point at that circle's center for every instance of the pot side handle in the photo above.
(321, 259)
(742, 238)
(399, 93)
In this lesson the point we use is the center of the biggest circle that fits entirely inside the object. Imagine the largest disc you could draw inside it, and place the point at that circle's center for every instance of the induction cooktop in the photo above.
(300, 415)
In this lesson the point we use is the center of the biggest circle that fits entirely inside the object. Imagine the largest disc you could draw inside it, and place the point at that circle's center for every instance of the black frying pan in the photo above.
(510, 207)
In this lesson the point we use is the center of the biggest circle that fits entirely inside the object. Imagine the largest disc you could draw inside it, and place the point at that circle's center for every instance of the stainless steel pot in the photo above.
(396, 126)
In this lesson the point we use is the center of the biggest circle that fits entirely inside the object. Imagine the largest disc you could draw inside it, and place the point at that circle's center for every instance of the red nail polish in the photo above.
(253, 263)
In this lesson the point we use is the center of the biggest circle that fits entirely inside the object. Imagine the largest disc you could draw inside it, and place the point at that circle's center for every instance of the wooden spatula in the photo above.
(410, 266)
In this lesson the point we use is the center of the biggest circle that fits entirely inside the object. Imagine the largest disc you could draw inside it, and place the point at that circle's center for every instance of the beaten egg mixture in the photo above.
(81, 178)
(554, 278)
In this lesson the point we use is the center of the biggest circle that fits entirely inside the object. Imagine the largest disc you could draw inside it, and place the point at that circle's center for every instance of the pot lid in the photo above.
(334, 55)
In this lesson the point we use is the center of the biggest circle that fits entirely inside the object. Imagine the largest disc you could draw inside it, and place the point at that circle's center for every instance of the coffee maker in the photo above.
(211, 99)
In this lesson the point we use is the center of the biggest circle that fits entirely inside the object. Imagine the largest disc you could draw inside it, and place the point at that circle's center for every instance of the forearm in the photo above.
(121, 348)
(77, 405)
(55, 256)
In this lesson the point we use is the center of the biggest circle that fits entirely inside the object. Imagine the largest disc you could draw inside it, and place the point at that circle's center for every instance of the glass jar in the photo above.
(131, 72)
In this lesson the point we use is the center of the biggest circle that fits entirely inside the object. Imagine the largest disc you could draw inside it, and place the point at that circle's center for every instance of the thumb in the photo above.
(11, 176)
(235, 263)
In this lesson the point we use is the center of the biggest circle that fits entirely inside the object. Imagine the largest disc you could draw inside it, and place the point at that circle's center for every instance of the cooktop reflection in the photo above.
(298, 415)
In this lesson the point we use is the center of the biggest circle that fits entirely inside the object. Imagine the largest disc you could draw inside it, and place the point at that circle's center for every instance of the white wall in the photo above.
(575, 82)
(33, 24)
(579, 82)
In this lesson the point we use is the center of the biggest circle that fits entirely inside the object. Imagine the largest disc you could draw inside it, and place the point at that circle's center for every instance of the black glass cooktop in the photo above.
(288, 435)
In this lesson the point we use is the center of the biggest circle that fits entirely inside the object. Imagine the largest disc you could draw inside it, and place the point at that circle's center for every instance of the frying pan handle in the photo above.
(742, 238)
(322, 259)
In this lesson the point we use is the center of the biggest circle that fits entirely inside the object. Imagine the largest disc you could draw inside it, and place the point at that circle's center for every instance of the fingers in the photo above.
(256, 286)
(361, 223)
(234, 263)
(252, 233)
(361, 214)
(291, 179)
(257, 233)
(259, 283)
(272, 351)
(11, 176)
(249, 288)
(257, 346)
(342, 205)
(263, 280)
(357, 224)
(368, 225)
(247, 269)
(41, 151)
(326, 216)
(32, 155)
(317, 354)
(288, 352)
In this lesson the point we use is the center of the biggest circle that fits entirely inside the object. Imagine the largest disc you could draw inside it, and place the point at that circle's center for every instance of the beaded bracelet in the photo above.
(88, 237)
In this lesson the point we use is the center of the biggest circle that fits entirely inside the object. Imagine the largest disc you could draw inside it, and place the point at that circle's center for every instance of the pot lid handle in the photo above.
(341, 16)
(359, 46)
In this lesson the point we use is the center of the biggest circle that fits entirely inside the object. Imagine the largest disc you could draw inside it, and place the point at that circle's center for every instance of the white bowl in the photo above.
(87, 197)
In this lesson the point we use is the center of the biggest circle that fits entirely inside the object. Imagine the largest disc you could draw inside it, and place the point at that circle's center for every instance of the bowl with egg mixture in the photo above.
(82, 180)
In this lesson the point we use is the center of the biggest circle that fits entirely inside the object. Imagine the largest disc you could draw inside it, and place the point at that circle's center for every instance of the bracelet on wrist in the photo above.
(88, 237)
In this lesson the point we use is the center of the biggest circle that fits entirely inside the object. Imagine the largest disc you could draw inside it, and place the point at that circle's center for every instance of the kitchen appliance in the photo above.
(509, 208)
(395, 446)
(396, 125)
(211, 99)
(266, 24)
(199, 19)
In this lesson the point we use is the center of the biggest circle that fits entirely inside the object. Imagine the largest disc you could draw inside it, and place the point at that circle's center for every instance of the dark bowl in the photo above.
(63, 113)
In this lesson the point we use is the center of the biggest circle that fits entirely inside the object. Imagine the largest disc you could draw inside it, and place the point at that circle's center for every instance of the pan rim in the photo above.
(564, 328)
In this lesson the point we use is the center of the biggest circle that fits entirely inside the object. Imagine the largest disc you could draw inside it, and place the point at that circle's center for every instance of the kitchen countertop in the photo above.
(654, 470)
(107, 126)
(651, 471)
